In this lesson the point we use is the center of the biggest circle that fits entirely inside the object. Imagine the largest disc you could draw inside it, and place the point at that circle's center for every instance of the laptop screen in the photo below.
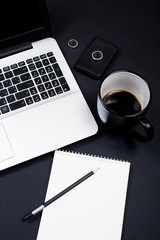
(21, 19)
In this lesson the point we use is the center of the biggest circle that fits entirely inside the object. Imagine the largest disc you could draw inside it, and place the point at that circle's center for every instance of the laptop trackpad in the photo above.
(6, 151)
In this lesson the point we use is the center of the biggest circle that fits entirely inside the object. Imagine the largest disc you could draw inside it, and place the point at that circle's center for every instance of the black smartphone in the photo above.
(96, 57)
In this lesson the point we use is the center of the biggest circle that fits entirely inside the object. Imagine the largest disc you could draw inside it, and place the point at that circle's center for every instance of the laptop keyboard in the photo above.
(31, 81)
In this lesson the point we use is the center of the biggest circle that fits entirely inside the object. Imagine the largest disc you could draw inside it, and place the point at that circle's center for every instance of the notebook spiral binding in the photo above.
(95, 157)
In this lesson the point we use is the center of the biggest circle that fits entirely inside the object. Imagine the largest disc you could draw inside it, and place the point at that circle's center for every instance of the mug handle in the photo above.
(148, 129)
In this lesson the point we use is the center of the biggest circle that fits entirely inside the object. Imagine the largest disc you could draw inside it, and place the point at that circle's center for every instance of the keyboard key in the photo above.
(55, 83)
(58, 90)
(52, 60)
(11, 98)
(29, 61)
(49, 69)
(34, 74)
(1, 85)
(41, 88)
(36, 59)
(49, 54)
(48, 85)
(13, 66)
(7, 83)
(8, 74)
(38, 64)
(20, 64)
(52, 76)
(44, 95)
(33, 90)
(12, 89)
(51, 93)
(38, 80)
(22, 94)
(5, 69)
(15, 80)
(3, 93)
(20, 71)
(65, 87)
(45, 78)
(1, 77)
(19, 104)
(43, 56)
(4, 109)
(45, 62)
(62, 80)
(25, 77)
(57, 70)
(2, 101)
(25, 85)
(32, 67)
(41, 71)
(36, 98)
(29, 100)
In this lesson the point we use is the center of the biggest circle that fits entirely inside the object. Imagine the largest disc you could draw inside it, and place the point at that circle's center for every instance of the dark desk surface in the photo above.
(134, 26)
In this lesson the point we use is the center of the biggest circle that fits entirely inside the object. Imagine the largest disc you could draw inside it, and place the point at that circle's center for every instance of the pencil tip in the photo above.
(27, 216)
(96, 170)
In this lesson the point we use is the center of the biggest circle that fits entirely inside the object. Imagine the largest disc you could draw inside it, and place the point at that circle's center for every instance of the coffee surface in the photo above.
(122, 102)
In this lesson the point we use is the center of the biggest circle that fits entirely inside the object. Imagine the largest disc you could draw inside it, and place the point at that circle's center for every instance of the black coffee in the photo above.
(122, 102)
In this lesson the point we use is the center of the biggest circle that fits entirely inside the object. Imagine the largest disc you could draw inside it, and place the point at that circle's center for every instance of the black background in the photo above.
(134, 26)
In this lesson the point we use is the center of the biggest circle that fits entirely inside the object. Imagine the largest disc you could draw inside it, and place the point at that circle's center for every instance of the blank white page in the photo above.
(92, 210)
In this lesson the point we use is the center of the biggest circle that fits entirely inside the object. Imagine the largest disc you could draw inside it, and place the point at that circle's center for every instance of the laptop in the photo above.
(41, 105)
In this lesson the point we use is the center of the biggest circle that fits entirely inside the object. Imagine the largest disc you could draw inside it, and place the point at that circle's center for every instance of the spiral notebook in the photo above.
(92, 210)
